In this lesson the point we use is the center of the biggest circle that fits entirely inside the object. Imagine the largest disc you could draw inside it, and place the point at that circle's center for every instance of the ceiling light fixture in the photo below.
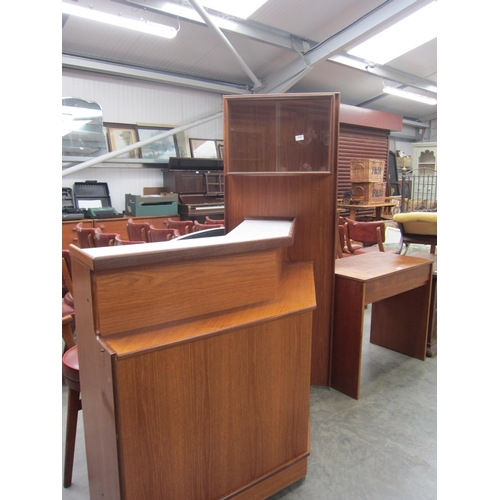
(134, 24)
(409, 33)
(409, 95)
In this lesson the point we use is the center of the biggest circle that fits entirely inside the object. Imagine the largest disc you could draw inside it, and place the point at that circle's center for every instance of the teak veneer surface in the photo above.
(212, 406)
(256, 139)
(295, 294)
(374, 265)
(216, 414)
(399, 288)
(153, 294)
(251, 235)
(384, 274)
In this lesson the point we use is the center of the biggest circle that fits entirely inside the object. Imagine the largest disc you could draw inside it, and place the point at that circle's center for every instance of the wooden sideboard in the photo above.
(202, 390)
(118, 225)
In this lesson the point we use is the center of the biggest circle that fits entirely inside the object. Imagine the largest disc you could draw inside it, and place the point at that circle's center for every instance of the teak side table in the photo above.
(399, 287)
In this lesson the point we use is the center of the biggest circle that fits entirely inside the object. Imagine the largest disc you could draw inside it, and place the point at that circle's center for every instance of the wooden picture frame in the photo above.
(121, 135)
(162, 149)
(203, 148)
(220, 149)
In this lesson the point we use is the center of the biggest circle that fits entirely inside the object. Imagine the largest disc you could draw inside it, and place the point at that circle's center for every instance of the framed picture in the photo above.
(183, 144)
(162, 149)
(220, 149)
(121, 135)
(203, 148)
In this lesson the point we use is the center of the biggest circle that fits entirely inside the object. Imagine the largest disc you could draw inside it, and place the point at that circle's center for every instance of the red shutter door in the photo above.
(359, 142)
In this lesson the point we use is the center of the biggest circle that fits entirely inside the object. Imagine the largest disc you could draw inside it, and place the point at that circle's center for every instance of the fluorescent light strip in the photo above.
(133, 24)
(400, 38)
(410, 95)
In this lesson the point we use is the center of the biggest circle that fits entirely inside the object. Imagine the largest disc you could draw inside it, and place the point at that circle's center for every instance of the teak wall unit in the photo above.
(195, 365)
(280, 160)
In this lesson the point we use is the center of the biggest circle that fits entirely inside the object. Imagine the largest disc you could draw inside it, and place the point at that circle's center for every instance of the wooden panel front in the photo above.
(152, 294)
(96, 382)
(310, 200)
(208, 418)
(347, 336)
(400, 323)
(387, 286)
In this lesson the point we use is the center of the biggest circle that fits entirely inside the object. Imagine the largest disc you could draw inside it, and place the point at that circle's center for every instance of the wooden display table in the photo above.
(399, 287)
(353, 208)
(195, 365)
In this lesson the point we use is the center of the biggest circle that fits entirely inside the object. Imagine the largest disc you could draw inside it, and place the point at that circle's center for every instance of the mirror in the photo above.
(82, 128)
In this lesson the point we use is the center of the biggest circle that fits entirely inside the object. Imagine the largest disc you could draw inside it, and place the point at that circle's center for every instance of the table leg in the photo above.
(400, 322)
(432, 332)
(345, 370)
(352, 213)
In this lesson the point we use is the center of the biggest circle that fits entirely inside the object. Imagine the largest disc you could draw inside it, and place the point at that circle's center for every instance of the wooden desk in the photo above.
(353, 208)
(400, 289)
(198, 390)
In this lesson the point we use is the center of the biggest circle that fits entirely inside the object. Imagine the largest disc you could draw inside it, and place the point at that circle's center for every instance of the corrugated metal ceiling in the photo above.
(197, 52)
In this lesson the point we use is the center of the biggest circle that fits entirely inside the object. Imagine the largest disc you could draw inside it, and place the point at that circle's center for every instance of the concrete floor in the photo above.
(380, 447)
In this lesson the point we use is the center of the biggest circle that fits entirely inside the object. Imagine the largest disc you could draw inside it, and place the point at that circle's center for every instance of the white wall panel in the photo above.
(133, 101)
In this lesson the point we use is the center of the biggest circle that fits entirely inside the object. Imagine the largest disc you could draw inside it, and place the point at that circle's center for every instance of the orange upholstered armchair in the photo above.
(138, 231)
(162, 234)
(363, 237)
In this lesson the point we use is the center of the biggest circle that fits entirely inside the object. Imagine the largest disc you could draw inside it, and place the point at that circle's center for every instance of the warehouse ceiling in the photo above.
(285, 46)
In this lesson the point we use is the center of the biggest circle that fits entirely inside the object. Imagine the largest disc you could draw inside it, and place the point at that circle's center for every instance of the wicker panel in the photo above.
(367, 170)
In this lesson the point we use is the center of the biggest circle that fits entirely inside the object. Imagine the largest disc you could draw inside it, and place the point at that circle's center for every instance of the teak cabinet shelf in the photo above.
(195, 388)
(272, 172)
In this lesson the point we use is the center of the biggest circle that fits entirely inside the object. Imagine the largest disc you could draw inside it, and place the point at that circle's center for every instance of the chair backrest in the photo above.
(119, 241)
(67, 333)
(157, 234)
(85, 236)
(341, 241)
(201, 227)
(138, 231)
(66, 271)
(367, 233)
(206, 233)
(104, 239)
(183, 226)
(208, 220)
